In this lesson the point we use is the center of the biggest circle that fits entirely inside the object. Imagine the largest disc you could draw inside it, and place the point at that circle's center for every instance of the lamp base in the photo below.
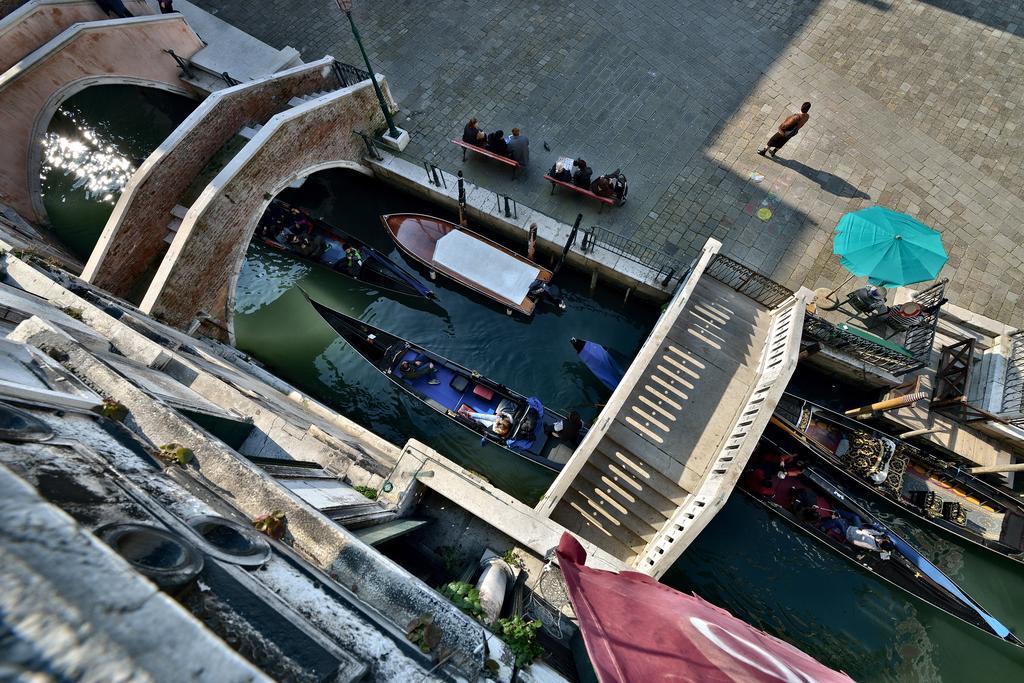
(399, 143)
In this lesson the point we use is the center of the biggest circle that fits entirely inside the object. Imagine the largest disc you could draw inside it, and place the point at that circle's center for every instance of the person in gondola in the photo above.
(418, 367)
(499, 423)
(472, 134)
(496, 143)
(568, 429)
(353, 260)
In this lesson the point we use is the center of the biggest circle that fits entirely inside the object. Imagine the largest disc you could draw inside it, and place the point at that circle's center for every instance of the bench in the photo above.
(610, 201)
(497, 157)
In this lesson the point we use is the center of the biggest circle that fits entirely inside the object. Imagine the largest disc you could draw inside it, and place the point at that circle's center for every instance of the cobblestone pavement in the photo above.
(916, 105)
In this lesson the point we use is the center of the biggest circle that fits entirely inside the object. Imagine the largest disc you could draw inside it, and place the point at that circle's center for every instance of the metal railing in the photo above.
(348, 74)
(229, 79)
(863, 349)
(637, 252)
(511, 208)
(1013, 386)
(748, 281)
(183, 64)
(920, 337)
(371, 146)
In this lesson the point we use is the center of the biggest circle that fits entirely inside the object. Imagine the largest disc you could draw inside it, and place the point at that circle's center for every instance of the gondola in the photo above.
(290, 229)
(815, 505)
(916, 480)
(482, 265)
(455, 391)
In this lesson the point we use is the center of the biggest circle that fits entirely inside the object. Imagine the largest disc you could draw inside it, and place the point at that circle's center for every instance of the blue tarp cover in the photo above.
(600, 362)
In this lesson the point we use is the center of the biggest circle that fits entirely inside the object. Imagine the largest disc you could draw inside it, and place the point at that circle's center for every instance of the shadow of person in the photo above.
(827, 181)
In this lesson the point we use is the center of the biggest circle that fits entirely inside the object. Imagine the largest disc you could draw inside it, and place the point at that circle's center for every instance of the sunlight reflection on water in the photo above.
(99, 169)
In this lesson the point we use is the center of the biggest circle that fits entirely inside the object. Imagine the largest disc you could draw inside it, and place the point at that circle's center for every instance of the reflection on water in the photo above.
(263, 280)
(97, 167)
(95, 141)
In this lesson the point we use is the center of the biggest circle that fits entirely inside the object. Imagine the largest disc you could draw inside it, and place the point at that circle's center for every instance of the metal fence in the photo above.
(1013, 387)
(748, 281)
(863, 349)
(637, 252)
(920, 338)
(348, 74)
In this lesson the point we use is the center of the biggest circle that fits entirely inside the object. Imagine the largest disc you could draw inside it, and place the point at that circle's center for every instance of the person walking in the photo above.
(787, 131)
(519, 147)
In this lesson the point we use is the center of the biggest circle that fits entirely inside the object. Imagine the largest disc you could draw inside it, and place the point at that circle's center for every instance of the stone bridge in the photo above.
(196, 279)
(127, 51)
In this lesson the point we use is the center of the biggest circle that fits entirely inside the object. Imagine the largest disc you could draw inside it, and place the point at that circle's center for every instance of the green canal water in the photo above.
(746, 560)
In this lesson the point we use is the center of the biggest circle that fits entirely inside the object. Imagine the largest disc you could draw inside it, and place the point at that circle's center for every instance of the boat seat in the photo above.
(459, 382)
(483, 392)
(560, 453)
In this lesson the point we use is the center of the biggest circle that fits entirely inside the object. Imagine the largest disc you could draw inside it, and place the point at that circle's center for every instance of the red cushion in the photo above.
(483, 392)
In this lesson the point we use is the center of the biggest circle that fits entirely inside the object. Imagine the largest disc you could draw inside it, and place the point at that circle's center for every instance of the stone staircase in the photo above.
(675, 435)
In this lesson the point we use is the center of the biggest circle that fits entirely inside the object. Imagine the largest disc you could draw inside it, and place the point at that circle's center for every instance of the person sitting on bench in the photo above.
(418, 367)
(581, 176)
(611, 185)
(560, 171)
(496, 143)
(472, 134)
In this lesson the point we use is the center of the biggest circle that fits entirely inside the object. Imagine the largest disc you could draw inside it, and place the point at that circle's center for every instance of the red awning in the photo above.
(637, 629)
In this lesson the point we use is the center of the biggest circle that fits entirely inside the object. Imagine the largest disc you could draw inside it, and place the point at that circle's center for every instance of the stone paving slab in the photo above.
(916, 107)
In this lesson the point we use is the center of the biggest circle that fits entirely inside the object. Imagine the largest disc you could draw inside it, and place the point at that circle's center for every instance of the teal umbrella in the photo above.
(887, 247)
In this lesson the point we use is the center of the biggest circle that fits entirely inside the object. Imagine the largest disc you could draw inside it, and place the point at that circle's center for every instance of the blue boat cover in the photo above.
(523, 444)
(600, 362)
(933, 573)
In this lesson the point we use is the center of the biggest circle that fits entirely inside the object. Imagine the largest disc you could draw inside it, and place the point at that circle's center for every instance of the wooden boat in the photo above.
(826, 514)
(918, 481)
(482, 265)
(455, 391)
(287, 228)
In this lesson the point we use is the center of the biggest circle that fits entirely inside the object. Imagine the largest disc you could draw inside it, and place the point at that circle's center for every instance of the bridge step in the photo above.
(249, 132)
(577, 514)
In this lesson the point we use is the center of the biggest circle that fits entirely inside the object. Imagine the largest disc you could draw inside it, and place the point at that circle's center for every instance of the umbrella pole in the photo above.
(829, 296)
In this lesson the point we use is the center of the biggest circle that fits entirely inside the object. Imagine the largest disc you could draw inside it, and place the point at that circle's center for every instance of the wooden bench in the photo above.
(610, 201)
(508, 161)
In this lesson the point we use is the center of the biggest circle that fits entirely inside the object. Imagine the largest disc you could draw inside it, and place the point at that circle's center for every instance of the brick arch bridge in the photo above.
(196, 279)
(121, 51)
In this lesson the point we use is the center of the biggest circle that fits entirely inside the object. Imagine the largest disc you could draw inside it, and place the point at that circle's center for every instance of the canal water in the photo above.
(746, 560)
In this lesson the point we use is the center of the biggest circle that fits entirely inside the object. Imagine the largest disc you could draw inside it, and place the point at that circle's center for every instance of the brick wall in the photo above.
(133, 239)
(200, 269)
(35, 27)
(94, 54)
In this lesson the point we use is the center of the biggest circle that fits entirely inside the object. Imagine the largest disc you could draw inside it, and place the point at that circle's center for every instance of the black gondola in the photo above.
(918, 481)
(812, 503)
(541, 435)
(290, 229)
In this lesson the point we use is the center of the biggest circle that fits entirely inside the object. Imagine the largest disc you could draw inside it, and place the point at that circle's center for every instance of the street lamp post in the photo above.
(346, 7)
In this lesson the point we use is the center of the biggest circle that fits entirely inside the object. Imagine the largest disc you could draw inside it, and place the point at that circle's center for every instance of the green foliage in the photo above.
(75, 313)
(177, 453)
(513, 559)
(423, 633)
(114, 410)
(466, 597)
(367, 491)
(272, 525)
(521, 637)
(449, 558)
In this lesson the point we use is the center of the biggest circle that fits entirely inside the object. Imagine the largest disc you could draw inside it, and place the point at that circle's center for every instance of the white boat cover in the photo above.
(485, 265)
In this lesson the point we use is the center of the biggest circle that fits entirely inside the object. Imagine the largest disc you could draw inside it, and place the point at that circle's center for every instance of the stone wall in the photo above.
(42, 20)
(120, 51)
(198, 274)
(133, 238)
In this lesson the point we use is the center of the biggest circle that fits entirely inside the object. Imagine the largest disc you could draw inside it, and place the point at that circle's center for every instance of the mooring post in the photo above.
(568, 243)
(625, 299)
(531, 242)
(462, 200)
(593, 282)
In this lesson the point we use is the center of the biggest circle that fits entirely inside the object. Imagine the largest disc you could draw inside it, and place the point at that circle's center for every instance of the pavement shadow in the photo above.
(827, 181)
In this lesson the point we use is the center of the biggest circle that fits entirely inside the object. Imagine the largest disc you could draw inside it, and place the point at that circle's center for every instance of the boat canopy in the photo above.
(601, 363)
(485, 265)
(637, 629)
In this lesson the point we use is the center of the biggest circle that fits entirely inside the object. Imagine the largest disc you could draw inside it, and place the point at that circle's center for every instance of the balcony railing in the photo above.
(748, 281)
(889, 359)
